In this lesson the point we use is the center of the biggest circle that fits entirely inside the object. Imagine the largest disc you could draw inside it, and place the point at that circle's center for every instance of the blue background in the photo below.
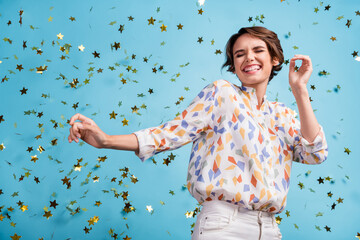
(188, 66)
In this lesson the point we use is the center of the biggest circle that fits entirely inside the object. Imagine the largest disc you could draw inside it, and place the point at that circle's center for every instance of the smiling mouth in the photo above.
(254, 70)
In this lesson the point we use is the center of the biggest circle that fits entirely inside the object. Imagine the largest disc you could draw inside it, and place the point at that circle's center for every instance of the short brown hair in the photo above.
(268, 36)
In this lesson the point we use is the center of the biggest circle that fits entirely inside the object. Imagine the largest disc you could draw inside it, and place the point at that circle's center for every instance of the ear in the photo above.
(275, 62)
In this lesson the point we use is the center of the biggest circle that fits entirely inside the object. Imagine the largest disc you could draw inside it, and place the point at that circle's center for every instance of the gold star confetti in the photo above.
(96, 179)
(179, 26)
(47, 214)
(113, 115)
(81, 48)
(163, 28)
(347, 150)
(151, 21)
(24, 208)
(15, 237)
(149, 209)
(60, 36)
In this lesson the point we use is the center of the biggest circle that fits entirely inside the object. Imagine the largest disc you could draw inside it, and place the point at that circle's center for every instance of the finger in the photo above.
(305, 61)
(292, 64)
(73, 119)
(301, 57)
(72, 134)
(80, 117)
(76, 129)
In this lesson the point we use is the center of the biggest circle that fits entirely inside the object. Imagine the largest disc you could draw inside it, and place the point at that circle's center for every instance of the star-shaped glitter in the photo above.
(287, 213)
(60, 36)
(320, 180)
(121, 28)
(113, 115)
(151, 21)
(347, 150)
(163, 28)
(96, 55)
(278, 219)
(53, 204)
(47, 214)
(23, 91)
(19, 67)
(348, 23)
(116, 45)
(15, 237)
(81, 48)
(24, 208)
(87, 230)
(179, 26)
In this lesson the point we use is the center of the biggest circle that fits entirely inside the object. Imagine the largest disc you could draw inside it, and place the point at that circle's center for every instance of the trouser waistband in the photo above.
(223, 207)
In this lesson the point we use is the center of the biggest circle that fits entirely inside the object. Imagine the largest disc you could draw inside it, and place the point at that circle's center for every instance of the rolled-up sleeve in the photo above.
(186, 127)
(305, 152)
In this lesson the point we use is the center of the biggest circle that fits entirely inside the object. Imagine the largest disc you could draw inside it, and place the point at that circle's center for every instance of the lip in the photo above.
(251, 72)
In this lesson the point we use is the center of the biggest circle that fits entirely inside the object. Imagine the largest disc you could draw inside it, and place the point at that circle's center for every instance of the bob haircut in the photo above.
(268, 36)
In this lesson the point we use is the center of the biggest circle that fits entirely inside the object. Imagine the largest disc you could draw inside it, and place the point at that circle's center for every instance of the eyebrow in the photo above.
(242, 50)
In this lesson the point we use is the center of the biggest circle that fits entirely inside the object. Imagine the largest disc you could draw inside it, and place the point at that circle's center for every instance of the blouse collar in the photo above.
(251, 94)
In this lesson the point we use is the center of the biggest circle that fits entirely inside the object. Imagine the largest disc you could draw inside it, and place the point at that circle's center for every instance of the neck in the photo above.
(260, 90)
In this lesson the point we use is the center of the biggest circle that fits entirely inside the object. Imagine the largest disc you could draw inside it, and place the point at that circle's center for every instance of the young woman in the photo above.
(243, 144)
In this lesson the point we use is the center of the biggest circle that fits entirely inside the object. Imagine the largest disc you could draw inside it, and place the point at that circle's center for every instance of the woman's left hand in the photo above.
(299, 79)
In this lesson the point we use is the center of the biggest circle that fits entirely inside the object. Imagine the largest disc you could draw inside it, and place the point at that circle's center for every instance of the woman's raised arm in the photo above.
(88, 131)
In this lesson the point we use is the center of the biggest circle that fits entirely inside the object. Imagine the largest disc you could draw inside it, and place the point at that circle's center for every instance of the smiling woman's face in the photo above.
(249, 50)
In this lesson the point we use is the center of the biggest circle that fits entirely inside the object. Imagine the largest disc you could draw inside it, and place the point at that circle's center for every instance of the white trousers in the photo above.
(220, 220)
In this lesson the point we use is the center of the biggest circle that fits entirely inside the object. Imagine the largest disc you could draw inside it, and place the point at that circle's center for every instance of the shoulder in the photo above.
(223, 83)
(216, 87)
(222, 86)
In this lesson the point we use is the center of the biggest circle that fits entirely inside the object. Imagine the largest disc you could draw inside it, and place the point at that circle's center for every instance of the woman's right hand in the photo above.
(87, 130)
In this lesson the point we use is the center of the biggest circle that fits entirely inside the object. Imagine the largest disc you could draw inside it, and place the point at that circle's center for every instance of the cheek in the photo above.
(237, 64)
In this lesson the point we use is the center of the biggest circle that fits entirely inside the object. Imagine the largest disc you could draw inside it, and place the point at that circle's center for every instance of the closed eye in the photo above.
(239, 55)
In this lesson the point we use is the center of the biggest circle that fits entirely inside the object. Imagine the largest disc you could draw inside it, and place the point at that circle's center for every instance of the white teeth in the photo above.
(257, 67)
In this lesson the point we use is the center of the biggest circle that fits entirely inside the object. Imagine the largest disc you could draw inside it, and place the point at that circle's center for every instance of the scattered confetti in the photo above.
(47, 78)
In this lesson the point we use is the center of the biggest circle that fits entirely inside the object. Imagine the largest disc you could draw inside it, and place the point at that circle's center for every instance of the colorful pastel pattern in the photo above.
(241, 153)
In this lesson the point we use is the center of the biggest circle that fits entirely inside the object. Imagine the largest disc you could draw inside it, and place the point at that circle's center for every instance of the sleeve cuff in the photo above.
(316, 145)
(146, 147)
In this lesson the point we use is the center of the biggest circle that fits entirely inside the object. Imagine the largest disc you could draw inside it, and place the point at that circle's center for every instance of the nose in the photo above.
(249, 57)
